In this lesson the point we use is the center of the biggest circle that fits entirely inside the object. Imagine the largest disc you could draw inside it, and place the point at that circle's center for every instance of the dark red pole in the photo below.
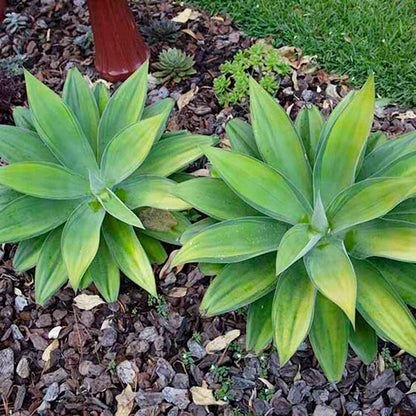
(2, 10)
(119, 48)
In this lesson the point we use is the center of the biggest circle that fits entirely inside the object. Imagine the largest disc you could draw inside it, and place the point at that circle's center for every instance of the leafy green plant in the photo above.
(173, 64)
(315, 221)
(261, 61)
(196, 337)
(78, 167)
(187, 359)
(160, 303)
(390, 362)
(15, 22)
(161, 31)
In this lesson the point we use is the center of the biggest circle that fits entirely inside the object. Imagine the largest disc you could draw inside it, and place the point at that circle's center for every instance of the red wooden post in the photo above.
(2, 10)
(119, 48)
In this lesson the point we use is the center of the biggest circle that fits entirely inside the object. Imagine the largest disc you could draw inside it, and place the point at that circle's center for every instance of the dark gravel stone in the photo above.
(178, 397)
(148, 398)
(181, 381)
(109, 337)
(6, 362)
(44, 320)
(379, 384)
(395, 396)
(298, 391)
(324, 411)
(261, 407)
(148, 334)
(52, 392)
(281, 406)
(240, 383)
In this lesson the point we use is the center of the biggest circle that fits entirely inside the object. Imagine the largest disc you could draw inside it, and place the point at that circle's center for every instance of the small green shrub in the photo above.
(15, 22)
(161, 31)
(314, 224)
(261, 61)
(85, 173)
(173, 65)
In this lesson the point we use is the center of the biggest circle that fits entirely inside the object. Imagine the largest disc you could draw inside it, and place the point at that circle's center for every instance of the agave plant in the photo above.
(315, 230)
(78, 167)
(173, 64)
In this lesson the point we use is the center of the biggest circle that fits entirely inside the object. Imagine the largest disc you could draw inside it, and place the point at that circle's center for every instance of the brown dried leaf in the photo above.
(178, 292)
(186, 98)
(204, 397)
(222, 342)
(125, 402)
(185, 15)
(87, 302)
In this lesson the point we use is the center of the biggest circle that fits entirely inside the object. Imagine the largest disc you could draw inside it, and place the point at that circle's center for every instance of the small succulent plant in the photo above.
(85, 40)
(15, 22)
(175, 65)
(13, 65)
(161, 31)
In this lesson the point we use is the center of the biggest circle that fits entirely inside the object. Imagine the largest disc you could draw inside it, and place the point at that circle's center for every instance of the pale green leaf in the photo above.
(150, 191)
(363, 340)
(339, 156)
(7, 195)
(78, 96)
(259, 332)
(28, 217)
(23, 118)
(403, 167)
(214, 198)
(309, 123)
(128, 149)
(296, 242)
(163, 108)
(405, 211)
(240, 284)
(259, 185)
(211, 269)
(44, 180)
(102, 95)
(27, 253)
(374, 141)
(129, 253)
(293, 307)
(331, 271)
(58, 128)
(277, 139)
(50, 272)
(196, 228)
(241, 137)
(173, 154)
(232, 241)
(329, 337)
(367, 200)
(21, 145)
(383, 309)
(80, 240)
(124, 108)
(154, 248)
(383, 238)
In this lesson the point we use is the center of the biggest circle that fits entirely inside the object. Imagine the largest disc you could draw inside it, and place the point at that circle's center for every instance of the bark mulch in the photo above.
(135, 357)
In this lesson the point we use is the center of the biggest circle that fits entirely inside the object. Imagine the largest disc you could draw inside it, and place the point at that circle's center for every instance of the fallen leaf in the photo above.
(408, 115)
(204, 397)
(186, 98)
(185, 15)
(125, 402)
(46, 355)
(267, 383)
(331, 90)
(222, 342)
(190, 33)
(178, 292)
(166, 269)
(54, 332)
(201, 172)
(412, 388)
(87, 302)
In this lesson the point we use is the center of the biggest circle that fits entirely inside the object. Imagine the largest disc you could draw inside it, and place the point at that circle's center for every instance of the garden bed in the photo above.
(86, 363)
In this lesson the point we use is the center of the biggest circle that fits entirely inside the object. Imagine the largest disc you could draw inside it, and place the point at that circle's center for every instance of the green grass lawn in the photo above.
(348, 36)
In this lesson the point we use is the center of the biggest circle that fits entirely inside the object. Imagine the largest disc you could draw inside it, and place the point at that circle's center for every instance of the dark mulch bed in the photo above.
(99, 352)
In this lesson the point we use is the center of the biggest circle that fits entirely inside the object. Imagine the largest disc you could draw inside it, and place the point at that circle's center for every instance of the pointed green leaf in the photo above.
(241, 137)
(278, 140)
(240, 284)
(78, 96)
(259, 185)
(309, 123)
(403, 167)
(27, 253)
(401, 276)
(383, 238)
(173, 154)
(388, 153)
(154, 248)
(374, 141)
(21, 145)
(259, 331)
(150, 191)
(214, 198)
(173, 235)
(23, 118)
(196, 228)
(367, 200)
(331, 271)
(86, 281)
(319, 221)
(383, 309)
(101, 94)
(7, 195)
(124, 108)
(329, 337)
(363, 340)
(115, 207)
(44, 180)
(28, 217)
(163, 108)
(104, 273)
(293, 307)
(80, 240)
(296, 242)
(232, 241)
(129, 253)
(50, 272)
(58, 127)
(337, 162)
(211, 269)
(128, 150)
